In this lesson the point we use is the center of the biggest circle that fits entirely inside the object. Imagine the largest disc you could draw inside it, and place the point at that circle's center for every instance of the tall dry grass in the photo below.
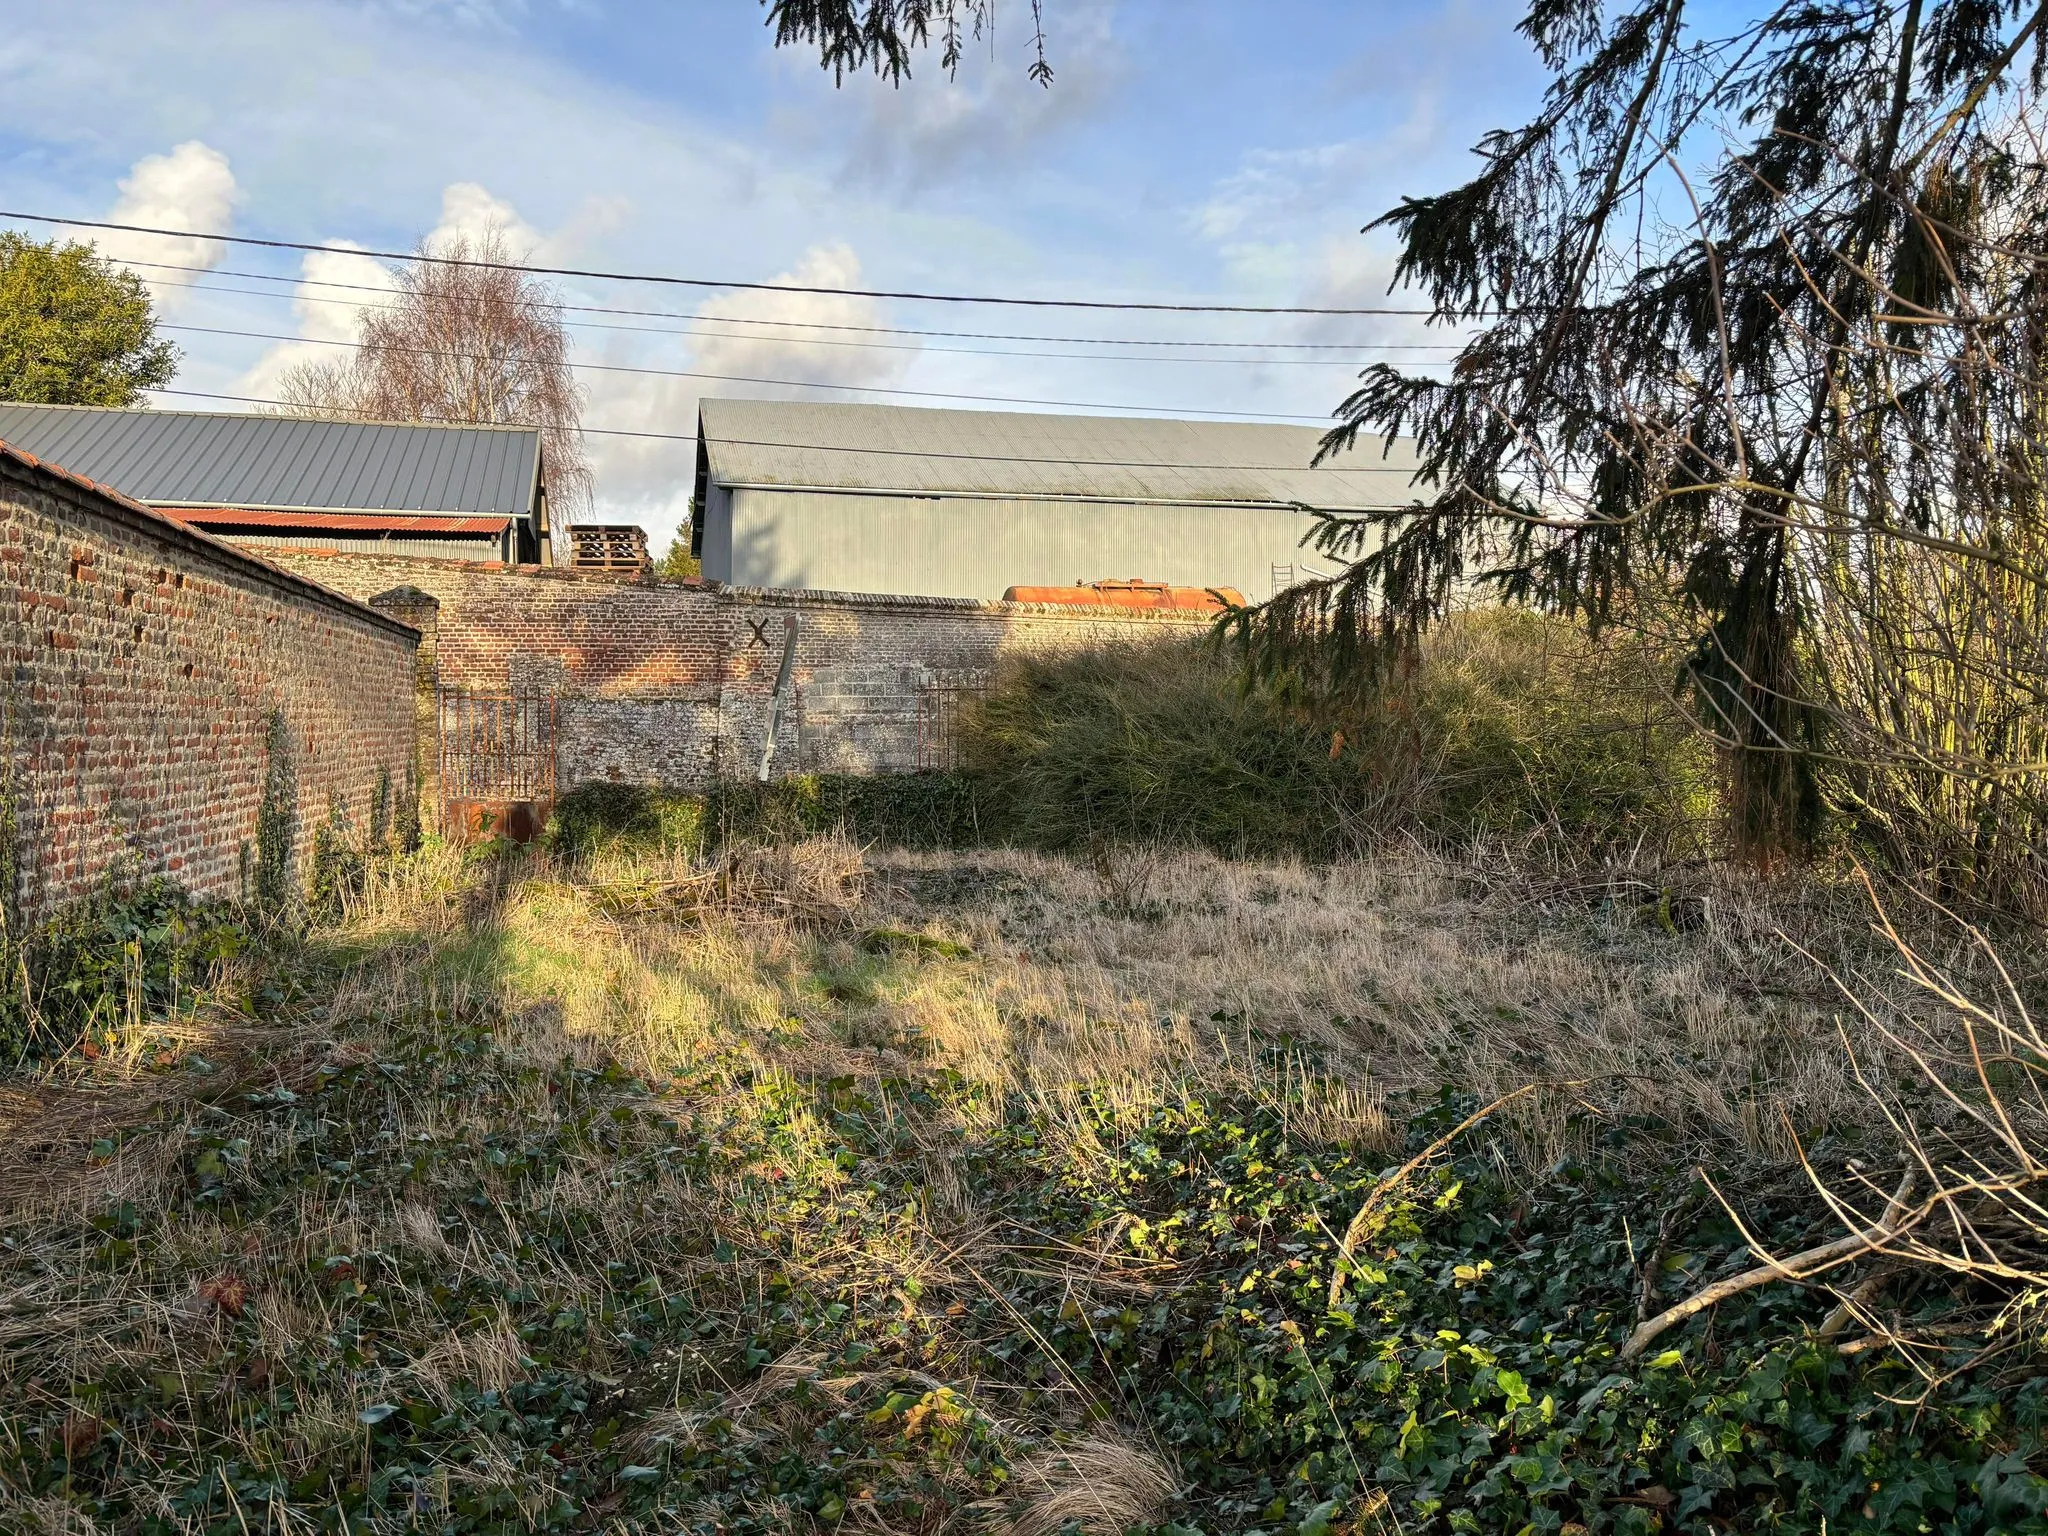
(1513, 727)
(739, 996)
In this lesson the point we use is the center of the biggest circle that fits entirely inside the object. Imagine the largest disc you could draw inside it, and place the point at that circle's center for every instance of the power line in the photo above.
(747, 378)
(801, 325)
(600, 275)
(1114, 407)
(751, 442)
(828, 341)
(821, 341)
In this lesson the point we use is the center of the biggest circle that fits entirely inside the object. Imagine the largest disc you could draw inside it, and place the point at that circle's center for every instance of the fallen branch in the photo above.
(1801, 1266)
(1355, 1228)
(1851, 1306)
(1653, 1270)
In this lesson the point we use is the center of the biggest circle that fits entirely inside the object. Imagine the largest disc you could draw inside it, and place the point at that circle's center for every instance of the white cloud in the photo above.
(808, 339)
(335, 286)
(192, 188)
(990, 118)
(649, 479)
(469, 211)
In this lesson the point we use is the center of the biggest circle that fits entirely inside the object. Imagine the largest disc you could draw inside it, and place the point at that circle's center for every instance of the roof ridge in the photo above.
(333, 421)
(240, 459)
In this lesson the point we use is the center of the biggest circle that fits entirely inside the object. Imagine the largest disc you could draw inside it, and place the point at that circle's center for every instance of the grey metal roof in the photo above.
(219, 459)
(1001, 453)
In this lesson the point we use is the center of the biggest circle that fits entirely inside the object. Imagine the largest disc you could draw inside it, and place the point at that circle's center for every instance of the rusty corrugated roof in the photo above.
(341, 522)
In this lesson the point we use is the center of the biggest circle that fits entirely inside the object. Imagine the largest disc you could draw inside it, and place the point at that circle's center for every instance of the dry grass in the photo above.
(1129, 981)
(1405, 973)
(1098, 1484)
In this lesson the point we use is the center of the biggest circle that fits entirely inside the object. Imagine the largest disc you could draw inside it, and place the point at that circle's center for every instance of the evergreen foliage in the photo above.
(677, 563)
(852, 35)
(1752, 308)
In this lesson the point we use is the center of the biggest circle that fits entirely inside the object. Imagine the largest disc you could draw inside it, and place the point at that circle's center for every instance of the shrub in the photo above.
(1514, 727)
(340, 867)
(1525, 726)
(1154, 743)
(628, 816)
(917, 810)
(105, 960)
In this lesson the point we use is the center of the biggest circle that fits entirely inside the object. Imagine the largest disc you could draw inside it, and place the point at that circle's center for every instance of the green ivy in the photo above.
(339, 868)
(277, 819)
(1470, 1375)
(122, 953)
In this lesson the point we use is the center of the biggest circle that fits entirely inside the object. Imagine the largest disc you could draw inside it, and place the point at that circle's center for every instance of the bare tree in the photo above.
(468, 337)
(1957, 1066)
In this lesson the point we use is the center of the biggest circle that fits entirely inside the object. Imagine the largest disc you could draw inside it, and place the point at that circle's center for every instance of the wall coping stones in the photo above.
(110, 503)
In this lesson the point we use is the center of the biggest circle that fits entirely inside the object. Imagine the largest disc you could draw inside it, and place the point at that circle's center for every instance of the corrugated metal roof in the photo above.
(200, 458)
(471, 551)
(352, 522)
(1000, 453)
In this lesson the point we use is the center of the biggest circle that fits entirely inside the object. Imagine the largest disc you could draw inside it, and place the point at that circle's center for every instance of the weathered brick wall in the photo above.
(670, 682)
(140, 666)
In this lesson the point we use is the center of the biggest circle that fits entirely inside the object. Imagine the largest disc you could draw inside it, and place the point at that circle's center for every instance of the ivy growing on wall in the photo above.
(407, 822)
(340, 866)
(10, 836)
(277, 819)
(380, 813)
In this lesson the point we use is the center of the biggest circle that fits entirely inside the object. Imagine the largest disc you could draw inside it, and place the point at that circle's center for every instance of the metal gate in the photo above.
(500, 748)
(939, 707)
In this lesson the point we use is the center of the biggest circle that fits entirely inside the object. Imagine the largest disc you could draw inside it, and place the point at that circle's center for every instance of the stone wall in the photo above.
(669, 682)
(143, 667)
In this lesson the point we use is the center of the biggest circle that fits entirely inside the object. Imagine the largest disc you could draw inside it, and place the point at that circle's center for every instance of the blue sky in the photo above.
(1223, 150)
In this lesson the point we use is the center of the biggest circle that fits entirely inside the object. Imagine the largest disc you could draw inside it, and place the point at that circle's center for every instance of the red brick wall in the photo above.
(140, 664)
(669, 682)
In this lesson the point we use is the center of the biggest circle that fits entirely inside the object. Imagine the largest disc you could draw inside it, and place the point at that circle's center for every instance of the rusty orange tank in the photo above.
(1133, 593)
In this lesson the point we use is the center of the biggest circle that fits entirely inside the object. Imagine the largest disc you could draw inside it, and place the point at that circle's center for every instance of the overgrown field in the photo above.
(807, 1189)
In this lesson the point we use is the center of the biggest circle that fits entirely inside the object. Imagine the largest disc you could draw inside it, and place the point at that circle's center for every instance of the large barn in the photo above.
(286, 482)
(943, 503)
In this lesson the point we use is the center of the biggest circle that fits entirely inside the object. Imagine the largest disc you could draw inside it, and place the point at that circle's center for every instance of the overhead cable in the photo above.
(801, 325)
(749, 442)
(668, 280)
(829, 341)
(891, 330)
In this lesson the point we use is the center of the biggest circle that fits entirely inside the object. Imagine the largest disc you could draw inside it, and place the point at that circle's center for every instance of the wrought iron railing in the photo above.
(498, 748)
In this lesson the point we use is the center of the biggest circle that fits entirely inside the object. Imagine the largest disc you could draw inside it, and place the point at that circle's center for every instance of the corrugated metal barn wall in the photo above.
(489, 549)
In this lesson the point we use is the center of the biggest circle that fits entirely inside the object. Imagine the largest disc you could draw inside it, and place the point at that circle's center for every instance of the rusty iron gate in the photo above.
(497, 748)
(939, 707)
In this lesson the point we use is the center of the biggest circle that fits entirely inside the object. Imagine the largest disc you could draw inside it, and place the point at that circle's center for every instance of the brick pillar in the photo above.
(409, 605)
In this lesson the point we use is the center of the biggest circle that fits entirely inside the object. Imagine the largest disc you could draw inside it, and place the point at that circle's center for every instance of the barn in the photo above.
(286, 482)
(944, 503)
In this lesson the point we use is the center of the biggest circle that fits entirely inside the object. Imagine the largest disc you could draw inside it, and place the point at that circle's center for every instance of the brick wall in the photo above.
(140, 666)
(667, 682)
